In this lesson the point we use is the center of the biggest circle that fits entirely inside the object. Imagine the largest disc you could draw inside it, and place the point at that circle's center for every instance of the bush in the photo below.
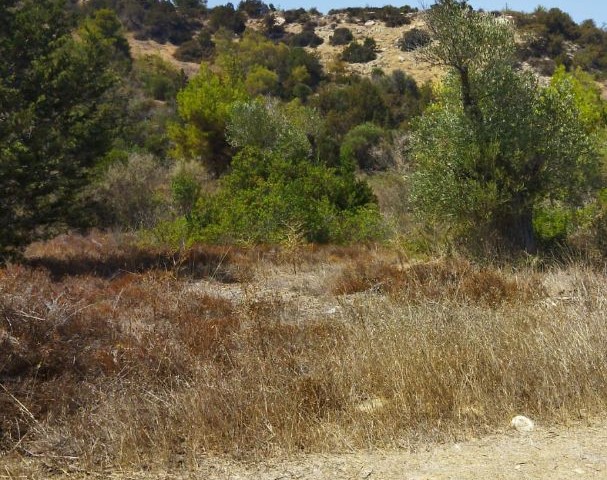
(356, 148)
(341, 36)
(414, 39)
(200, 48)
(225, 16)
(273, 185)
(254, 8)
(298, 15)
(307, 38)
(357, 53)
(158, 78)
(133, 194)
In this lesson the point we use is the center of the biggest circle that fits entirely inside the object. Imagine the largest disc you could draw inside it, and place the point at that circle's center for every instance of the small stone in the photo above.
(522, 424)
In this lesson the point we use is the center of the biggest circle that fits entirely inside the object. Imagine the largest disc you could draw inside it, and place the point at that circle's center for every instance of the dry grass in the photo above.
(142, 368)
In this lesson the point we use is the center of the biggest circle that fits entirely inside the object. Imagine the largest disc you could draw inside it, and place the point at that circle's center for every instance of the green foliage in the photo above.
(307, 38)
(298, 15)
(357, 53)
(253, 8)
(202, 47)
(190, 5)
(275, 185)
(344, 107)
(357, 146)
(255, 55)
(341, 36)
(158, 20)
(548, 31)
(59, 114)
(495, 146)
(203, 107)
(186, 187)
(158, 78)
(226, 17)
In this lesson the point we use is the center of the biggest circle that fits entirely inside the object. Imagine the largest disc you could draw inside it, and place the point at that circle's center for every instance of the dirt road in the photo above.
(561, 453)
(578, 452)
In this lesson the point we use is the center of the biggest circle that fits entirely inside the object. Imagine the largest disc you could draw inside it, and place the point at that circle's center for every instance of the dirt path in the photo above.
(578, 452)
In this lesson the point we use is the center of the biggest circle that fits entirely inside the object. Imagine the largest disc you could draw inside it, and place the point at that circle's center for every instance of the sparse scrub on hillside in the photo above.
(391, 16)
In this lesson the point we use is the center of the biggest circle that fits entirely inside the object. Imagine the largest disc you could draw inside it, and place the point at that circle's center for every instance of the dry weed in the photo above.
(140, 368)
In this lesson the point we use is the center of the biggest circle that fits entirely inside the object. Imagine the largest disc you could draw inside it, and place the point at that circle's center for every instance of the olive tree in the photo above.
(495, 144)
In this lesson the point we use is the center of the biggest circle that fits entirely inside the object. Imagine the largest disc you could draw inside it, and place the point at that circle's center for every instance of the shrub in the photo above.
(200, 48)
(158, 78)
(414, 39)
(341, 36)
(253, 8)
(133, 194)
(357, 53)
(298, 15)
(273, 185)
(357, 146)
(225, 16)
(307, 38)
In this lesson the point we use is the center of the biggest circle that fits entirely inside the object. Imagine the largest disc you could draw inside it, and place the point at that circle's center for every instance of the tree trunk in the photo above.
(469, 103)
(517, 230)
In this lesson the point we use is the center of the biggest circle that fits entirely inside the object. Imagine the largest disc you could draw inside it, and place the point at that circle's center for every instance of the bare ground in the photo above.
(577, 451)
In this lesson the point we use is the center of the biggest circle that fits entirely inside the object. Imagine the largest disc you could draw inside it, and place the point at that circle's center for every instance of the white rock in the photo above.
(369, 23)
(522, 423)
(371, 406)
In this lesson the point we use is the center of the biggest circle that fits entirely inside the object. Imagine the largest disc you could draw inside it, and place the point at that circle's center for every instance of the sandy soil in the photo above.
(579, 451)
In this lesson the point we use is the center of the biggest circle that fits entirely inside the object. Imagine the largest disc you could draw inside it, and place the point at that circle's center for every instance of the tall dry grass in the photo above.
(142, 368)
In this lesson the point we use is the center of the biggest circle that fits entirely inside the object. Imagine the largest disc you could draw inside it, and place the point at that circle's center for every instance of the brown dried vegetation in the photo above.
(114, 368)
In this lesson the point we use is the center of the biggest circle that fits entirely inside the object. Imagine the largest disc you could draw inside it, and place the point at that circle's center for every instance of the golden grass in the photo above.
(147, 368)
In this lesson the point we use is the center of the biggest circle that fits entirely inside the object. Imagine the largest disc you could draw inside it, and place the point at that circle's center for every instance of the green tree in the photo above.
(276, 184)
(495, 145)
(203, 107)
(57, 113)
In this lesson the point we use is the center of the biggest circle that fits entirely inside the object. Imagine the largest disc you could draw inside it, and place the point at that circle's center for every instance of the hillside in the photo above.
(389, 56)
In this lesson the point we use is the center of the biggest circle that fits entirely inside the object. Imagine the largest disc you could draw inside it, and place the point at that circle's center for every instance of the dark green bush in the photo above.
(414, 39)
(225, 16)
(275, 186)
(357, 53)
(356, 148)
(200, 48)
(298, 15)
(307, 38)
(254, 8)
(341, 36)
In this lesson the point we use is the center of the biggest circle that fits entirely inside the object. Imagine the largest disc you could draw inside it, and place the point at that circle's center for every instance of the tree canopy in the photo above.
(57, 111)
(495, 144)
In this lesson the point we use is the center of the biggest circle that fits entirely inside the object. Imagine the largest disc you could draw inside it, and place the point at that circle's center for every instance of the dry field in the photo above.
(118, 358)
